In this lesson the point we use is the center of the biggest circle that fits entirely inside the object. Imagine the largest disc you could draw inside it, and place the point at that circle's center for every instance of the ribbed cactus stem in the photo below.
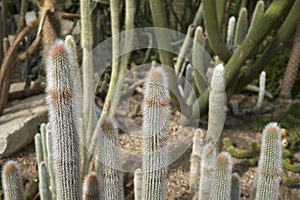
(44, 182)
(198, 142)
(230, 32)
(217, 102)
(257, 15)
(207, 173)
(110, 157)
(241, 27)
(60, 93)
(91, 187)
(235, 187)
(137, 182)
(155, 133)
(50, 164)
(270, 166)
(12, 181)
(222, 185)
(38, 148)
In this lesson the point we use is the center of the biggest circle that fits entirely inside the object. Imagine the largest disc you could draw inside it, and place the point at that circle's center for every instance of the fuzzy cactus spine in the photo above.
(270, 165)
(62, 112)
(155, 133)
(222, 185)
(12, 181)
(91, 187)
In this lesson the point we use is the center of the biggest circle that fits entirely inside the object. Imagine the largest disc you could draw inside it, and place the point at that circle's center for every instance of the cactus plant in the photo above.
(44, 182)
(198, 142)
(207, 173)
(137, 184)
(38, 148)
(50, 168)
(155, 133)
(110, 158)
(222, 185)
(241, 27)
(12, 181)
(60, 91)
(235, 187)
(270, 166)
(91, 187)
(241, 153)
(230, 32)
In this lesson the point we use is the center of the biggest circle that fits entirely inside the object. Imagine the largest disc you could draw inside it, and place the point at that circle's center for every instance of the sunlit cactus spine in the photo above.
(91, 187)
(137, 182)
(198, 142)
(207, 173)
(12, 181)
(62, 112)
(235, 187)
(110, 158)
(222, 185)
(270, 165)
(44, 182)
(230, 32)
(156, 113)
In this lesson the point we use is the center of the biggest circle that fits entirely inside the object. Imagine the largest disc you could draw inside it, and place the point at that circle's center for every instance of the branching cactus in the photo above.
(155, 132)
(217, 102)
(198, 142)
(222, 185)
(235, 187)
(207, 173)
(60, 93)
(270, 166)
(91, 187)
(110, 158)
(12, 181)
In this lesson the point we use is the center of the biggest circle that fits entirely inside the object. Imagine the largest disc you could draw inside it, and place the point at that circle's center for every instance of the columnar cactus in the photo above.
(155, 132)
(270, 166)
(12, 181)
(91, 187)
(241, 27)
(50, 166)
(230, 32)
(110, 158)
(207, 173)
(44, 182)
(257, 16)
(235, 187)
(137, 182)
(38, 148)
(217, 102)
(198, 142)
(222, 185)
(60, 92)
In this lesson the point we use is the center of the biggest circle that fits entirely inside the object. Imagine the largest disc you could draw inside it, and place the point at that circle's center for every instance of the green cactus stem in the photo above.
(43, 130)
(290, 181)
(235, 187)
(270, 165)
(241, 27)
(241, 153)
(257, 16)
(110, 157)
(12, 181)
(44, 182)
(156, 113)
(137, 182)
(207, 173)
(222, 185)
(60, 93)
(50, 163)
(38, 148)
(220, 7)
(198, 142)
(91, 187)
(290, 167)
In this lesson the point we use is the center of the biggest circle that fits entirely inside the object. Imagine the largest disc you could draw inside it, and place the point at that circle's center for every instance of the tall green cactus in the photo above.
(270, 166)
(60, 92)
(241, 27)
(207, 173)
(155, 132)
(91, 187)
(110, 157)
(230, 32)
(12, 181)
(222, 186)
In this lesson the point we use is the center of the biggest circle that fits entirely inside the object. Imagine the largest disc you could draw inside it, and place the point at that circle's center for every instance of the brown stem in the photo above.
(70, 16)
(6, 70)
(23, 56)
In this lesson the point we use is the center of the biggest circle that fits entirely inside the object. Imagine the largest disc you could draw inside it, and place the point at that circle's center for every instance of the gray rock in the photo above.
(19, 122)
